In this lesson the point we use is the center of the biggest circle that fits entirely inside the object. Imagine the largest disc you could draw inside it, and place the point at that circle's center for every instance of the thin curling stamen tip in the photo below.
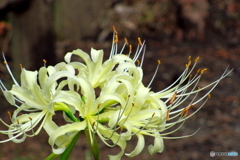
(159, 62)
(114, 30)
(126, 41)
(203, 70)
(196, 60)
(139, 41)
(116, 39)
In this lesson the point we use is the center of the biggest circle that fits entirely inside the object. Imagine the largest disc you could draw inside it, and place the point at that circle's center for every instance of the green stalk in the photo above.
(65, 155)
(93, 145)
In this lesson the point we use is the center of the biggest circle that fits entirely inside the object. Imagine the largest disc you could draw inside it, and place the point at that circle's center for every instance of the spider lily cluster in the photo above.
(125, 107)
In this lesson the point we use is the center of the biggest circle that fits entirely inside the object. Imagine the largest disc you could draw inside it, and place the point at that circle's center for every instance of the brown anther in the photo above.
(20, 65)
(209, 95)
(167, 116)
(159, 62)
(196, 60)
(130, 48)
(93, 124)
(153, 114)
(188, 108)
(114, 30)
(172, 99)
(30, 118)
(115, 39)
(44, 61)
(203, 70)
(18, 121)
(138, 62)
(186, 115)
(184, 111)
(188, 64)
(98, 106)
(198, 70)
(9, 113)
(126, 41)
(128, 95)
(139, 41)
(4, 62)
(132, 104)
(190, 77)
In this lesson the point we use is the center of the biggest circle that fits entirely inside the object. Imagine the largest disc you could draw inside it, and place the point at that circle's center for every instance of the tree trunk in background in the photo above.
(77, 19)
(32, 36)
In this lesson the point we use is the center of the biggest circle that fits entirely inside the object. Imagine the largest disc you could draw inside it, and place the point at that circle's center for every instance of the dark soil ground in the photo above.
(218, 120)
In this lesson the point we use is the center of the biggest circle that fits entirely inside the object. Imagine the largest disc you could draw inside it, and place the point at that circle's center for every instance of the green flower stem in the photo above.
(63, 107)
(52, 156)
(65, 155)
(93, 145)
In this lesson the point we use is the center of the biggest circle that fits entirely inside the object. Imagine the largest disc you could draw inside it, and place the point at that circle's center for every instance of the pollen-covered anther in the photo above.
(203, 70)
(190, 77)
(189, 58)
(93, 124)
(196, 60)
(159, 62)
(44, 61)
(139, 41)
(115, 39)
(126, 41)
(199, 70)
(30, 118)
(188, 108)
(153, 114)
(9, 114)
(138, 62)
(168, 116)
(4, 62)
(188, 64)
(172, 99)
(209, 95)
(186, 114)
(183, 111)
(130, 48)
(20, 65)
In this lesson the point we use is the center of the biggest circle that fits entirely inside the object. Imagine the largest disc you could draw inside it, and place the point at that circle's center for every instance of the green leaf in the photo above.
(65, 155)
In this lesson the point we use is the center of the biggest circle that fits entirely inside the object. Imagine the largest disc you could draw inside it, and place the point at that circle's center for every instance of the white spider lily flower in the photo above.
(125, 107)
(36, 99)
